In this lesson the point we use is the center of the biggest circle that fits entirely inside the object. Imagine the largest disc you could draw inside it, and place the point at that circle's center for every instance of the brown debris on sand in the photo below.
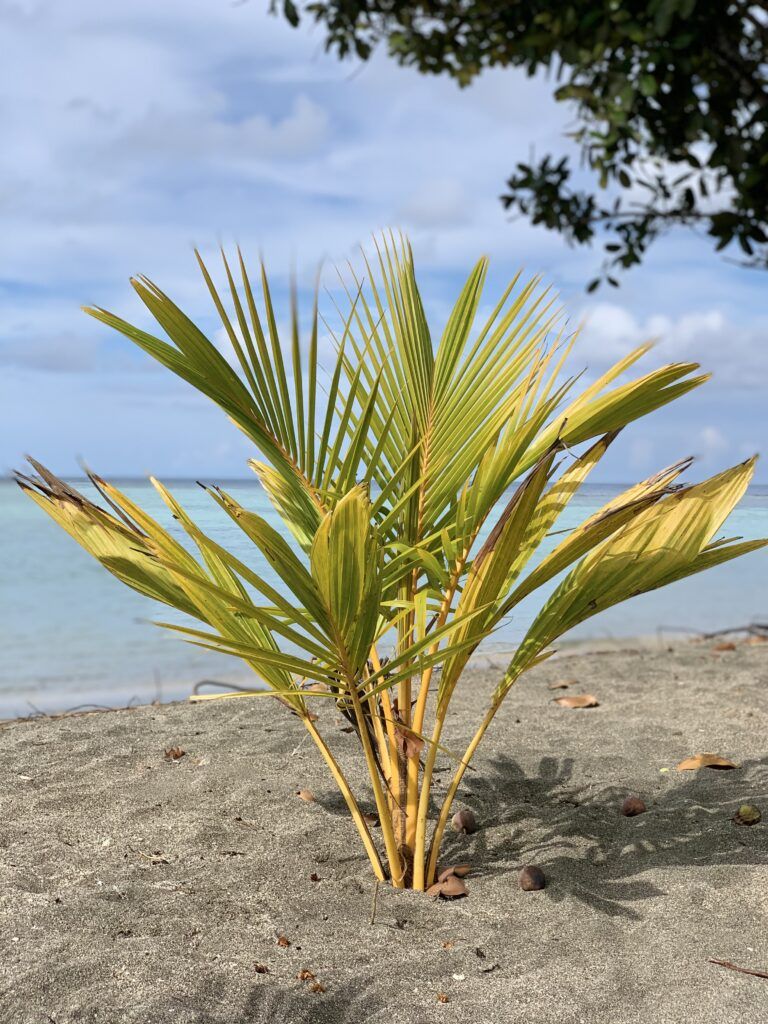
(191, 888)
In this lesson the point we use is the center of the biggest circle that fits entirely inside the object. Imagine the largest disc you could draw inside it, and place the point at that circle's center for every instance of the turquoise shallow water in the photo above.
(72, 634)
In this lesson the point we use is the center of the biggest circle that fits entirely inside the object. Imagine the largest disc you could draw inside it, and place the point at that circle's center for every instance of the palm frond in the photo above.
(387, 467)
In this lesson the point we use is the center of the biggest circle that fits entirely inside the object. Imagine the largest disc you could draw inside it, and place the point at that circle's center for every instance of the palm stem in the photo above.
(419, 858)
(346, 792)
(393, 855)
(445, 810)
(420, 838)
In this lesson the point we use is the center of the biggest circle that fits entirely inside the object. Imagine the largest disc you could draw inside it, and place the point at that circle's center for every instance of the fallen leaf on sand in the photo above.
(154, 858)
(261, 969)
(747, 814)
(460, 870)
(562, 684)
(317, 987)
(306, 795)
(442, 997)
(174, 753)
(450, 888)
(578, 700)
(726, 645)
(448, 944)
(705, 761)
(283, 942)
(306, 975)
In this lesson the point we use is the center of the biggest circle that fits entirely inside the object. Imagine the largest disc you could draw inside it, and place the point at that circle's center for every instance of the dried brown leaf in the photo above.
(306, 975)
(283, 941)
(441, 997)
(705, 761)
(317, 987)
(452, 888)
(408, 743)
(562, 684)
(578, 700)
(460, 870)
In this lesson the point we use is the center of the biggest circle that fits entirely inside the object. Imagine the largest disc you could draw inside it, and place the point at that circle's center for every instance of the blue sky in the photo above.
(133, 132)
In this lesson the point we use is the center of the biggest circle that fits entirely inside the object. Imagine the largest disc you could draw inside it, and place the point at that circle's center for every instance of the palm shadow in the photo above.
(588, 849)
(268, 1001)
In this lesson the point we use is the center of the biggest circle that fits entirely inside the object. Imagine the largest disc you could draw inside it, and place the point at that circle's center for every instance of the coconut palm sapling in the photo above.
(388, 469)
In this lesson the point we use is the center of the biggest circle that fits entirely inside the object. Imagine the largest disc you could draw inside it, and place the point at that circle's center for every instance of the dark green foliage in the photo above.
(671, 102)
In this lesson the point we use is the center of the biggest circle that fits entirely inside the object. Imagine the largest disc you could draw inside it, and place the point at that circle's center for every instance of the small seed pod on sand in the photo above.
(633, 805)
(464, 821)
(532, 878)
(747, 815)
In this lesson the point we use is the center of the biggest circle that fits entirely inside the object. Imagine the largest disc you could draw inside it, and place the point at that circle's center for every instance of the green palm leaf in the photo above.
(386, 466)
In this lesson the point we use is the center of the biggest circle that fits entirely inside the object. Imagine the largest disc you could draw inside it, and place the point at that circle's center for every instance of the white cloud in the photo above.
(439, 203)
(713, 441)
(132, 132)
(736, 354)
(207, 137)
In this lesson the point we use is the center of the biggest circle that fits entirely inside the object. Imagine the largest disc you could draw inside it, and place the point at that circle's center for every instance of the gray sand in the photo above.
(139, 890)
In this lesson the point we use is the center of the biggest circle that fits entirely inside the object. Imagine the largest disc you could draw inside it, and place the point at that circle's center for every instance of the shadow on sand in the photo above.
(578, 835)
(267, 1003)
(588, 849)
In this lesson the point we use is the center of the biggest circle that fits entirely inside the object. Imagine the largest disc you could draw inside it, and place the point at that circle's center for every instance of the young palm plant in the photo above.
(387, 470)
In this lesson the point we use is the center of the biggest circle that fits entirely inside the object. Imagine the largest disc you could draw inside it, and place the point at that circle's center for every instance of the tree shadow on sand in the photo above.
(268, 1002)
(588, 849)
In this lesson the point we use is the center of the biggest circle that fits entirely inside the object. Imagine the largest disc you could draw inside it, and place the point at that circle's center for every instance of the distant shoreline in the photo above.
(493, 661)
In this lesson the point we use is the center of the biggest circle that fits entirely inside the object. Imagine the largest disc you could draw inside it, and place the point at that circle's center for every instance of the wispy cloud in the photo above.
(132, 132)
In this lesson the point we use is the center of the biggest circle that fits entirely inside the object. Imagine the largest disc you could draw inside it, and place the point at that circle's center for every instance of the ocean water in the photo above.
(73, 635)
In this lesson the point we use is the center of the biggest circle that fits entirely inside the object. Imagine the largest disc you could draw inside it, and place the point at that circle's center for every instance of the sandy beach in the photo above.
(144, 890)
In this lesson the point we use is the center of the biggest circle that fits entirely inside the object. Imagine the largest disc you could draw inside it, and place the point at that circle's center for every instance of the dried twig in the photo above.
(375, 899)
(754, 629)
(741, 970)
